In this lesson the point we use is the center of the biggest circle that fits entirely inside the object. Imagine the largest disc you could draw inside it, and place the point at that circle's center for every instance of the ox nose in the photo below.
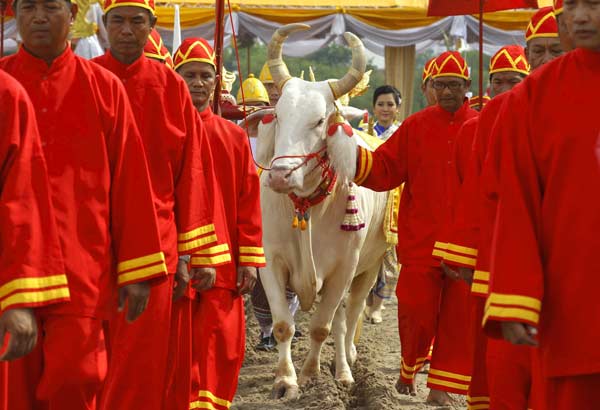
(279, 179)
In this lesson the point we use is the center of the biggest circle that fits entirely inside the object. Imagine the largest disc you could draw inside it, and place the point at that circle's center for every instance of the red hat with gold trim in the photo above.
(510, 58)
(450, 64)
(194, 49)
(427, 69)
(542, 25)
(155, 48)
(474, 101)
(558, 7)
(145, 4)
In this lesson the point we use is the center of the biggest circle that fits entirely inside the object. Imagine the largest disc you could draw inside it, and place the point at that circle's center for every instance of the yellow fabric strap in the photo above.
(37, 296)
(141, 261)
(365, 163)
(32, 284)
(460, 259)
(450, 375)
(477, 399)
(215, 399)
(481, 275)
(139, 274)
(440, 382)
(213, 250)
(205, 240)
(202, 230)
(253, 259)
(211, 260)
(514, 300)
(480, 288)
(516, 314)
(252, 250)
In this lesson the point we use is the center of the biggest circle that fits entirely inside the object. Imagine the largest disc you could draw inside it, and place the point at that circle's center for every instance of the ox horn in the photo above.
(279, 71)
(356, 71)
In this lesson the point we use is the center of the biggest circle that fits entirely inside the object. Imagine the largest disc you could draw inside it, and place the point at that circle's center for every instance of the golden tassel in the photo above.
(303, 225)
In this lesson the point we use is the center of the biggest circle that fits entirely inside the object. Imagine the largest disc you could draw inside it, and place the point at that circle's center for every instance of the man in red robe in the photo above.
(544, 279)
(32, 273)
(512, 376)
(508, 67)
(181, 173)
(218, 319)
(419, 154)
(102, 198)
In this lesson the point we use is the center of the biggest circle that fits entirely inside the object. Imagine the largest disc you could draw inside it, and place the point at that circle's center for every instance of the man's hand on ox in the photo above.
(246, 279)
(203, 278)
(519, 333)
(182, 279)
(137, 296)
(21, 325)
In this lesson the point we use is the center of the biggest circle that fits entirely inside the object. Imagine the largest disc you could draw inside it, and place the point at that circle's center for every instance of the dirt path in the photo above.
(375, 373)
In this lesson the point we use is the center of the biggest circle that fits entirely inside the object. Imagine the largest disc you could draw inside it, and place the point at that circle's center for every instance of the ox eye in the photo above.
(321, 121)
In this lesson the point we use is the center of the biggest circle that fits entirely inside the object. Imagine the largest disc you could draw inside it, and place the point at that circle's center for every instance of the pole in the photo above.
(481, 3)
(219, 33)
(2, 15)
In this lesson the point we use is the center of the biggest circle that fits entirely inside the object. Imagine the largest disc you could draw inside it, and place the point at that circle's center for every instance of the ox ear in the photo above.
(250, 124)
(351, 113)
(265, 144)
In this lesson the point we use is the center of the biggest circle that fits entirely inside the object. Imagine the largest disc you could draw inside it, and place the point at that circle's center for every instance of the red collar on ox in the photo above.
(301, 205)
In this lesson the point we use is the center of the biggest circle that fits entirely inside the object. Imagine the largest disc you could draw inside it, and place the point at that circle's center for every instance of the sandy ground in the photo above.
(375, 373)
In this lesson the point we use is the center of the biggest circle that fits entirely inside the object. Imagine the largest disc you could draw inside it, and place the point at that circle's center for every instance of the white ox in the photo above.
(323, 259)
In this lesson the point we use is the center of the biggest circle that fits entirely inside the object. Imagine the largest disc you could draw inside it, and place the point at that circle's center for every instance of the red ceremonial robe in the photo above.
(102, 198)
(31, 268)
(218, 315)
(420, 154)
(172, 135)
(545, 263)
(501, 372)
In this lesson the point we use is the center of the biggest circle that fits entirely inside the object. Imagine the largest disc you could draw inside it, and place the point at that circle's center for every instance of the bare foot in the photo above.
(408, 389)
(438, 398)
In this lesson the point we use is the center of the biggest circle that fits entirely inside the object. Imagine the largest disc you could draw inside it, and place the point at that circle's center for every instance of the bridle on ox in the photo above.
(323, 190)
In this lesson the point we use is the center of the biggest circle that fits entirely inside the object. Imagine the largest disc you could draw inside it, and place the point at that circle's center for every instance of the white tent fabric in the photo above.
(330, 28)
(327, 29)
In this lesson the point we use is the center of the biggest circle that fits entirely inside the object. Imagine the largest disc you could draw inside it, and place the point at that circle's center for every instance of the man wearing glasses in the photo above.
(420, 154)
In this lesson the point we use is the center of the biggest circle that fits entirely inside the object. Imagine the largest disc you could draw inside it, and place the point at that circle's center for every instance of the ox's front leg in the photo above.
(274, 281)
(331, 295)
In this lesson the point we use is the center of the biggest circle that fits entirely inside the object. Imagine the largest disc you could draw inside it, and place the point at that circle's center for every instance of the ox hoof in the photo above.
(285, 391)
(306, 377)
(345, 379)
